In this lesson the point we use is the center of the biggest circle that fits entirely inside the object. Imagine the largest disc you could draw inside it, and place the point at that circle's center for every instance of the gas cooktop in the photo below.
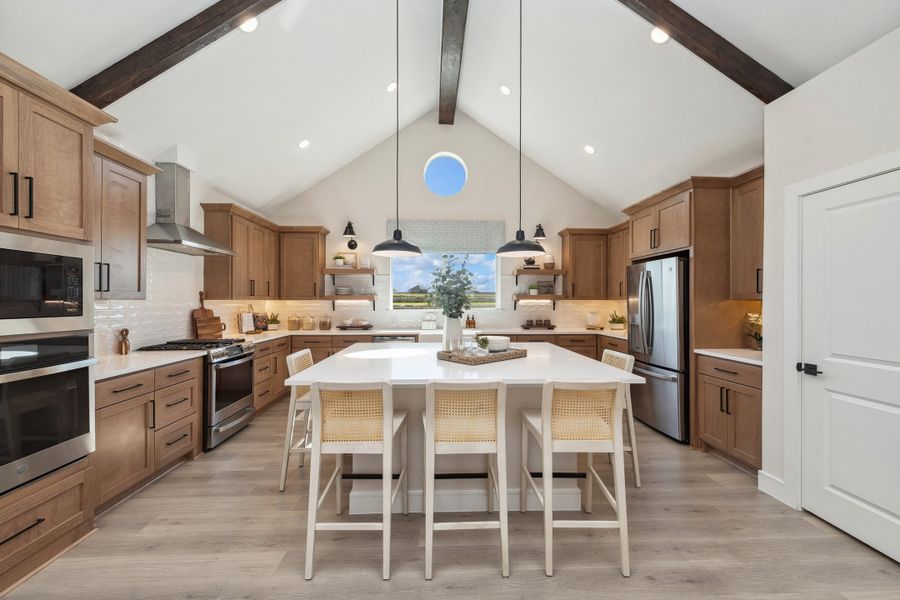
(195, 344)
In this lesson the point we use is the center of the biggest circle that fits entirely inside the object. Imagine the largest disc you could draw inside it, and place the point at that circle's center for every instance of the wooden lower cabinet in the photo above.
(730, 418)
(318, 345)
(144, 425)
(583, 350)
(606, 342)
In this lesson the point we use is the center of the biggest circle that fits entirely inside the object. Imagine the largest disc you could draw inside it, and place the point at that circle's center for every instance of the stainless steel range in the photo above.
(228, 384)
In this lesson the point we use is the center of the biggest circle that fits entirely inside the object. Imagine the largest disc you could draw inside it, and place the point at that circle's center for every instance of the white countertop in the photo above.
(116, 365)
(741, 355)
(414, 365)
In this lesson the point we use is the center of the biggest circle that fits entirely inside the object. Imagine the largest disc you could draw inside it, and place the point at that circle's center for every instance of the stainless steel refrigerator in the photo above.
(657, 335)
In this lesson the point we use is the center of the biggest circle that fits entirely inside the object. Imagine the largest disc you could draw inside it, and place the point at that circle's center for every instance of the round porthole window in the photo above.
(445, 174)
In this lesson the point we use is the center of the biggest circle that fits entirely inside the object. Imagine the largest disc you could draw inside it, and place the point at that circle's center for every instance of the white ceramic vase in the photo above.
(452, 331)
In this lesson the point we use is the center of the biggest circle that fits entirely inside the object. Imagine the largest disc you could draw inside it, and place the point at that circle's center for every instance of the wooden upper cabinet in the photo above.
(271, 262)
(120, 223)
(747, 240)
(584, 262)
(55, 160)
(302, 264)
(616, 285)
(663, 226)
(9, 157)
(258, 269)
(241, 261)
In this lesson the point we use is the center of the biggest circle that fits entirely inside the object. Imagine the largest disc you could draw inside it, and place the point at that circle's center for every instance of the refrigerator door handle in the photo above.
(640, 310)
(647, 314)
(655, 375)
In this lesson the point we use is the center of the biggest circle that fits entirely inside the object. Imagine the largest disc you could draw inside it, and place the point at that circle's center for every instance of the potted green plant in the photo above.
(339, 260)
(753, 325)
(616, 321)
(273, 321)
(451, 290)
(533, 289)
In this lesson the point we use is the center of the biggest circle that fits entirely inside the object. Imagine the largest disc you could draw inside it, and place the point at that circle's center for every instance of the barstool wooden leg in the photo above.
(339, 484)
(288, 442)
(588, 484)
(429, 503)
(404, 460)
(523, 479)
(315, 463)
(632, 441)
(490, 486)
(547, 476)
(387, 483)
(621, 510)
(502, 501)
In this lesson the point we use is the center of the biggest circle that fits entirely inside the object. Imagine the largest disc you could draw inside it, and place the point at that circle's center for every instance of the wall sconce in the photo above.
(349, 233)
(539, 233)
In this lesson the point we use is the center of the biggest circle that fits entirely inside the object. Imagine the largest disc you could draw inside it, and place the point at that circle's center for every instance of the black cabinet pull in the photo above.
(176, 402)
(758, 282)
(727, 402)
(37, 522)
(129, 388)
(99, 286)
(266, 368)
(108, 276)
(725, 371)
(15, 210)
(261, 394)
(620, 288)
(721, 399)
(252, 287)
(185, 372)
(268, 288)
(175, 441)
(30, 181)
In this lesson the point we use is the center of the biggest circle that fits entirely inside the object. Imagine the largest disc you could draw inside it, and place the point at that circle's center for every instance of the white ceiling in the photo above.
(318, 70)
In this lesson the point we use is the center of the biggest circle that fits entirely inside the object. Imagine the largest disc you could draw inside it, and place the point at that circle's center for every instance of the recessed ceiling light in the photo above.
(249, 25)
(590, 149)
(392, 86)
(505, 90)
(659, 36)
(303, 144)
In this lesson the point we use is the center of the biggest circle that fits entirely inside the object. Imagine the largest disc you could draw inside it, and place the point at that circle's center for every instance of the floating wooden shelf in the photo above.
(554, 298)
(334, 298)
(539, 273)
(334, 271)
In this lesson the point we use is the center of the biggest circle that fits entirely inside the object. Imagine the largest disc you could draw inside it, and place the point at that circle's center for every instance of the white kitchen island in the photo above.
(408, 367)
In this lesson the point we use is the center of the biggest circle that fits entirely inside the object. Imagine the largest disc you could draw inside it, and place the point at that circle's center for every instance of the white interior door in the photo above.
(850, 329)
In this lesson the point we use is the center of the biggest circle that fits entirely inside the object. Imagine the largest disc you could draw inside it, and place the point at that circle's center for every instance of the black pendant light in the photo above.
(520, 247)
(397, 246)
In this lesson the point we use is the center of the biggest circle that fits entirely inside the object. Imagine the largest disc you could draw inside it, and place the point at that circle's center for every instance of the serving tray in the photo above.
(465, 359)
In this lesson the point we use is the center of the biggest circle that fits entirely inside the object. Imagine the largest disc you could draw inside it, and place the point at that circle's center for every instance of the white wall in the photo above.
(845, 115)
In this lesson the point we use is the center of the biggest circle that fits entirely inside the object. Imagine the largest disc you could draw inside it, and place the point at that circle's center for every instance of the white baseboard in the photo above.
(775, 487)
(368, 502)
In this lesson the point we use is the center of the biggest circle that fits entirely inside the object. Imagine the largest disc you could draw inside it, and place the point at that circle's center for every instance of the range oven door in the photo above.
(229, 403)
(46, 419)
(45, 285)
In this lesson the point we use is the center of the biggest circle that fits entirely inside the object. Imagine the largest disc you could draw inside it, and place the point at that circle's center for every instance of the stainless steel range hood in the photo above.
(172, 230)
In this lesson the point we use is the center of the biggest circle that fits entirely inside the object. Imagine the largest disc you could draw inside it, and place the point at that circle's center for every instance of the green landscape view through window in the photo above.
(411, 278)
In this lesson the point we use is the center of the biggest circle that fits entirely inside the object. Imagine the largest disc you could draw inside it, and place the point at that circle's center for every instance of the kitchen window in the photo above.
(411, 279)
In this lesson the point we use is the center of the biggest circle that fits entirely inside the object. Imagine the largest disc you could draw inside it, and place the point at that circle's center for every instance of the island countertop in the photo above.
(416, 364)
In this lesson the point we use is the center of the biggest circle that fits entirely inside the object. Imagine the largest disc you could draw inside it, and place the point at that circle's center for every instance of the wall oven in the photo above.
(46, 404)
(45, 285)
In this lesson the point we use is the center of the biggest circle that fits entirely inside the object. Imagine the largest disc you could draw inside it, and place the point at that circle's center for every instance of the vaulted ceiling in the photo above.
(318, 70)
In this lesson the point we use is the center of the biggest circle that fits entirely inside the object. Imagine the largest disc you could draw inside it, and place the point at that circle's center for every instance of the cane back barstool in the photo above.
(298, 414)
(623, 361)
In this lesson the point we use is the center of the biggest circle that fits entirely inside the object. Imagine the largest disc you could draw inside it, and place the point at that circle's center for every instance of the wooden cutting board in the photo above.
(202, 312)
(209, 328)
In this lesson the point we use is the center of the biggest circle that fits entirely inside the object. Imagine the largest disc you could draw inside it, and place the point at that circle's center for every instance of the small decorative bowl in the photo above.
(549, 265)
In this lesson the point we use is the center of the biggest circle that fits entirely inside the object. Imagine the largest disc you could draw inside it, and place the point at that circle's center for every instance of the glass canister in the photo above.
(325, 322)
(308, 323)
(294, 322)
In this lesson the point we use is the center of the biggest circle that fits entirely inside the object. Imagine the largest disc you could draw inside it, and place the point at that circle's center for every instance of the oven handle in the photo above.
(35, 373)
(232, 363)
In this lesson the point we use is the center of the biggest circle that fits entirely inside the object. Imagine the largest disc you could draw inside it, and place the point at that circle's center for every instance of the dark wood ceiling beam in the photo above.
(452, 37)
(711, 47)
(168, 50)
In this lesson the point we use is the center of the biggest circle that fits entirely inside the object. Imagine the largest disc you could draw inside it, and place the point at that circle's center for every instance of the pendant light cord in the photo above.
(397, 142)
(520, 115)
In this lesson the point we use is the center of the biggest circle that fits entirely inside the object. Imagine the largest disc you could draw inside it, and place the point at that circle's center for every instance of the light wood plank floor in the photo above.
(218, 528)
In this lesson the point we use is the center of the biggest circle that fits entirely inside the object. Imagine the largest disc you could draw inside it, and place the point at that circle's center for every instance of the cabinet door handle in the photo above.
(151, 406)
(721, 399)
(30, 181)
(651, 239)
(108, 276)
(15, 210)
(620, 288)
(129, 388)
(178, 439)
(727, 402)
(99, 286)
(37, 522)
(252, 287)
(268, 288)
(758, 282)
(725, 371)
(176, 402)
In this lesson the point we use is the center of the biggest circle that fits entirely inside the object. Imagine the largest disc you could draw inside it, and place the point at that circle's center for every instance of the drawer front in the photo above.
(567, 341)
(282, 345)
(111, 391)
(263, 394)
(550, 339)
(263, 368)
(584, 351)
(176, 402)
(613, 344)
(175, 441)
(41, 516)
(299, 342)
(264, 348)
(343, 341)
(744, 374)
(177, 373)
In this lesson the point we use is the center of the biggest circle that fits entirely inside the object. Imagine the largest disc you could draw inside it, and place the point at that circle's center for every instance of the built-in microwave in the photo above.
(46, 285)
